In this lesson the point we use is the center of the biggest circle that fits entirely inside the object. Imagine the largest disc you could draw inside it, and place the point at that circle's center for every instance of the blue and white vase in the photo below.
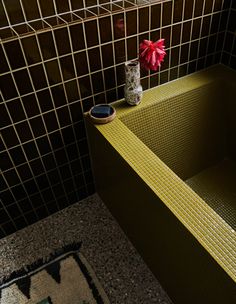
(133, 89)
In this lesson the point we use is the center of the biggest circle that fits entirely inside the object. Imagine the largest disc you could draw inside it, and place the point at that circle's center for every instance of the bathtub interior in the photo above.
(194, 134)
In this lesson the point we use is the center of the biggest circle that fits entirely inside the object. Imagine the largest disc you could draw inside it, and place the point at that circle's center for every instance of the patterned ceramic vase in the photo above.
(133, 88)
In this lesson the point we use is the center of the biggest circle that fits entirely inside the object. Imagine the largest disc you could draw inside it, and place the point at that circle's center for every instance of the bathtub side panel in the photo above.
(184, 268)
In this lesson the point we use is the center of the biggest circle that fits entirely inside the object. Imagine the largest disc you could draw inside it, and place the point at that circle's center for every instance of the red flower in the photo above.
(151, 54)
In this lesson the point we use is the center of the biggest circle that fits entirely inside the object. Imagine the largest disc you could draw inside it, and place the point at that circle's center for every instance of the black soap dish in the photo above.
(102, 113)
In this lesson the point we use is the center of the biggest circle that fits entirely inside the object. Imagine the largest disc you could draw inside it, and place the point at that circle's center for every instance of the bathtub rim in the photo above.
(211, 231)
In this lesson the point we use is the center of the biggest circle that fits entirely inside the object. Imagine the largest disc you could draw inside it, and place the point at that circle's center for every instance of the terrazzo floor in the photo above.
(119, 268)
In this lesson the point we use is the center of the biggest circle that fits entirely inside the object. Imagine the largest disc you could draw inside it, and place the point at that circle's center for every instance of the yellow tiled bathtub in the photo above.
(166, 169)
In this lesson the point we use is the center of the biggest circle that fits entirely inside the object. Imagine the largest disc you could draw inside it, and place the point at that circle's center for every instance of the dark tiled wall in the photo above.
(229, 53)
(52, 70)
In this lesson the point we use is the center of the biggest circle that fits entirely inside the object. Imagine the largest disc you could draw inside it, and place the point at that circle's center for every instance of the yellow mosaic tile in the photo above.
(211, 230)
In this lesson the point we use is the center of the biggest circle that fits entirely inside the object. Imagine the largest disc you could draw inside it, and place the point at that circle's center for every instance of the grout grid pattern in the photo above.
(59, 60)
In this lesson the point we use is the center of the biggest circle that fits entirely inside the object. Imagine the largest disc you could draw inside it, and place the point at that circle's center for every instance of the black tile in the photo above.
(37, 167)
(31, 106)
(231, 24)
(71, 91)
(94, 59)
(37, 126)
(218, 5)
(49, 161)
(4, 65)
(80, 130)
(56, 140)
(11, 177)
(24, 132)
(7, 198)
(69, 186)
(184, 53)
(155, 16)
(196, 29)
(85, 87)
(47, 45)
(86, 164)
(67, 67)
(81, 62)
(24, 172)
(143, 19)
(47, 7)
(22, 81)
(165, 34)
(30, 150)
(31, 187)
(178, 9)
(54, 177)
(188, 9)
(62, 6)
(97, 80)
(43, 145)
(19, 192)
(77, 37)
(20, 222)
(211, 44)
(3, 19)
(59, 190)
(77, 4)
(47, 195)
(215, 23)
(14, 54)
(105, 29)
(120, 51)
(208, 6)
(61, 157)
(72, 152)
(176, 31)
(107, 55)
(186, 31)
(166, 13)
(68, 135)
(31, 9)
(8, 87)
(13, 210)
(31, 217)
(64, 116)
(205, 26)
(9, 227)
(5, 118)
(17, 155)
(41, 212)
(31, 50)
(50, 121)
(42, 182)
(87, 104)
(9, 137)
(111, 95)
(203, 46)
(131, 23)
(58, 94)
(16, 110)
(132, 48)
(62, 41)
(198, 8)
(194, 50)
(52, 207)
(36, 200)
(118, 26)
(3, 216)
(91, 27)
(109, 75)
(3, 184)
(53, 72)
(14, 12)
(76, 167)
(45, 100)
(76, 112)
(38, 77)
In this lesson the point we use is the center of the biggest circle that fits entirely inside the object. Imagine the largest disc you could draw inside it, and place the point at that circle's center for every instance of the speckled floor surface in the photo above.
(121, 271)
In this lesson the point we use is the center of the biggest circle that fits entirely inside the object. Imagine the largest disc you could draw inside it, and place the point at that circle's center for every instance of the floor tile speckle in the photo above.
(121, 271)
